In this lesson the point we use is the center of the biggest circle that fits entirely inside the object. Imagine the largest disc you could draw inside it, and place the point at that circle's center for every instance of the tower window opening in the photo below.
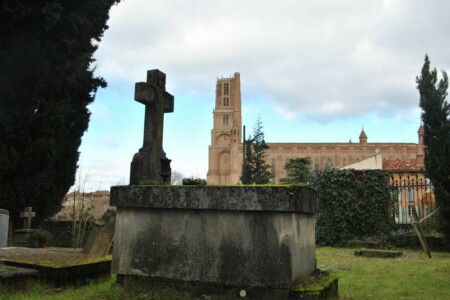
(225, 88)
(225, 119)
(226, 101)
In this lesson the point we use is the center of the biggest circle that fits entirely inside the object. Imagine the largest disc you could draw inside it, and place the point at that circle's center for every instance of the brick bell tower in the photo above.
(226, 132)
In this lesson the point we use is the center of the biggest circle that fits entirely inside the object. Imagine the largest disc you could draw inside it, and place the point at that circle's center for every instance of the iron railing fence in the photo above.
(413, 192)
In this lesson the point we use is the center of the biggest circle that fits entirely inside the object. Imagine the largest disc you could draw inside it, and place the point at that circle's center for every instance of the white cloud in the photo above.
(310, 60)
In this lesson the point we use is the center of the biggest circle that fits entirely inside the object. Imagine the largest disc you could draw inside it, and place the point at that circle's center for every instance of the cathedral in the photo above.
(226, 149)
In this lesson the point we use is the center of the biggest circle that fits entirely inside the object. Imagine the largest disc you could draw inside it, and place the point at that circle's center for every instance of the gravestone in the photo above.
(4, 227)
(101, 236)
(150, 165)
(26, 237)
(27, 215)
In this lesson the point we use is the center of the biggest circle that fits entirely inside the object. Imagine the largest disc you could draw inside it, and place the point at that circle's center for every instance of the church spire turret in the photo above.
(421, 133)
(362, 137)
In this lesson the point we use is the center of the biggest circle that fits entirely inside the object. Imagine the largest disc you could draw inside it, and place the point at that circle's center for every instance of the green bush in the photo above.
(352, 205)
(193, 181)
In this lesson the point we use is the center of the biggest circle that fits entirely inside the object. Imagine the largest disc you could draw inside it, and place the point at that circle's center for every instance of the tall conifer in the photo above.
(255, 170)
(46, 83)
(436, 123)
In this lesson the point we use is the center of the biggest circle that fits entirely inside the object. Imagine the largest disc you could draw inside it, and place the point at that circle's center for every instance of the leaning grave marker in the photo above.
(208, 239)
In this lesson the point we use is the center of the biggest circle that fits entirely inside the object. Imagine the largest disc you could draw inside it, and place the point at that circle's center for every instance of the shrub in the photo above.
(194, 181)
(352, 204)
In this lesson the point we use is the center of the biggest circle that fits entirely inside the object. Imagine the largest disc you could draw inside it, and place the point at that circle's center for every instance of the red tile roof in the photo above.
(402, 165)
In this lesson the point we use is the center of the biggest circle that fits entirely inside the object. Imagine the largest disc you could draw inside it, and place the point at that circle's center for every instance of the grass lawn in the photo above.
(412, 276)
(38, 290)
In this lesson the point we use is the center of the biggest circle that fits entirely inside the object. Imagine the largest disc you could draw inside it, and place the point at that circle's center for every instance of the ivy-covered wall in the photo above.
(352, 205)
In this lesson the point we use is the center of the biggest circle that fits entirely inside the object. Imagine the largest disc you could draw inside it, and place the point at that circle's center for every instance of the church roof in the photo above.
(402, 165)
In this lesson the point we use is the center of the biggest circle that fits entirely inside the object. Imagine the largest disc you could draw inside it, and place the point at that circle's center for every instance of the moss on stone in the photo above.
(57, 265)
(316, 284)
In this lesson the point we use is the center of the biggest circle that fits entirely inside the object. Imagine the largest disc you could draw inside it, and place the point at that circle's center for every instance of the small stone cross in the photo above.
(150, 165)
(27, 215)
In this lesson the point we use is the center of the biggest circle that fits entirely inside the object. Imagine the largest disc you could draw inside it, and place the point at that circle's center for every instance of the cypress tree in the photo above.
(436, 123)
(46, 83)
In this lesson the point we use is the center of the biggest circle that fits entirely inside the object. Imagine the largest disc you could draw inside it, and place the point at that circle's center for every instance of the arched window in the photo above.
(226, 101)
(225, 88)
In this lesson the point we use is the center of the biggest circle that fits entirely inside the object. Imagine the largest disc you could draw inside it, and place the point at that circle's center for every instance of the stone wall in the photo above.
(62, 233)
(229, 236)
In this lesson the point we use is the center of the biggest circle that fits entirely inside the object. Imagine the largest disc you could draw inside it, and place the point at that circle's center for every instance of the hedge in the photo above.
(352, 205)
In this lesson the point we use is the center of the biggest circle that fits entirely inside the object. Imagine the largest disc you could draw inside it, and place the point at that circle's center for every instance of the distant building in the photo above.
(374, 162)
(92, 204)
(226, 154)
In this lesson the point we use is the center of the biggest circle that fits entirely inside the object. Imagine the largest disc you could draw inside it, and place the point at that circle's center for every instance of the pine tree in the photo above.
(255, 170)
(436, 123)
(298, 170)
(46, 83)
(247, 165)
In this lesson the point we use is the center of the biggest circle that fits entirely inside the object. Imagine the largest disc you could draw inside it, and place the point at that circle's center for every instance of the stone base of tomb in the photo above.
(257, 236)
(327, 288)
(25, 238)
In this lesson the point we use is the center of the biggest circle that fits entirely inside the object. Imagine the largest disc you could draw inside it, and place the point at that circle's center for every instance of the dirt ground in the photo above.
(55, 257)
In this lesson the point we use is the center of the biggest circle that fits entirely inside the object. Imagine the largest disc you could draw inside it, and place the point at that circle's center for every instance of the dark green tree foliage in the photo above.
(436, 123)
(298, 170)
(193, 181)
(247, 165)
(46, 83)
(255, 170)
(352, 204)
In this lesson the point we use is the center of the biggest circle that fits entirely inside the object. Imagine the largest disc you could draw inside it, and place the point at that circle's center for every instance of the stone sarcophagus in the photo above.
(242, 236)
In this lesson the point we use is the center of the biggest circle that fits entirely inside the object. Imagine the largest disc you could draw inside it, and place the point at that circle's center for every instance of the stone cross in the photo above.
(28, 214)
(150, 165)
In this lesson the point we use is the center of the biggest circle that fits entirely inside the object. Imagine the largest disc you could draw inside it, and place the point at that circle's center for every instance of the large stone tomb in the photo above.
(247, 236)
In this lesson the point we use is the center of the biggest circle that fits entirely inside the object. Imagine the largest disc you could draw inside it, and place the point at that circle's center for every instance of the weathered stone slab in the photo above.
(379, 253)
(15, 277)
(248, 198)
(7, 272)
(25, 238)
(56, 265)
(101, 236)
(228, 236)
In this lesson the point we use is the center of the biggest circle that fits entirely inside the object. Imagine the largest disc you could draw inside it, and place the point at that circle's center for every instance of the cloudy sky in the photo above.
(313, 70)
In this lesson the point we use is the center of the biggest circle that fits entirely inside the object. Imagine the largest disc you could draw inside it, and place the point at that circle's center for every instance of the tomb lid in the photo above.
(246, 198)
